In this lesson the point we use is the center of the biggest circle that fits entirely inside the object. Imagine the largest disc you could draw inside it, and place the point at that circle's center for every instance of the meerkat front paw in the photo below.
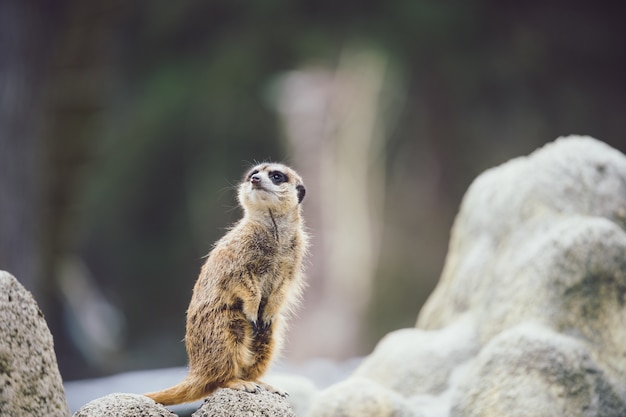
(264, 326)
(261, 326)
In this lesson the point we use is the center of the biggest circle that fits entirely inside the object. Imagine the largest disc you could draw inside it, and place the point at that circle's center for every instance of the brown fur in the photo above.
(250, 281)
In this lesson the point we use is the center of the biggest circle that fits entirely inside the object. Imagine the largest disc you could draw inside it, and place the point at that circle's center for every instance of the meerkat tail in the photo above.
(190, 389)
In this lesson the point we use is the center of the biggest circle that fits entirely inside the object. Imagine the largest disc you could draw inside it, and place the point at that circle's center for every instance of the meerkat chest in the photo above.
(272, 260)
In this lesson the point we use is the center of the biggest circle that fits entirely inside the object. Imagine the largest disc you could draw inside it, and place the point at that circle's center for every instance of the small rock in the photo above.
(234, 403)
(123, 405)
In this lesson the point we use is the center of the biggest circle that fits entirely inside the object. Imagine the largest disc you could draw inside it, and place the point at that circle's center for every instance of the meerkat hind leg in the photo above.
(254, 387)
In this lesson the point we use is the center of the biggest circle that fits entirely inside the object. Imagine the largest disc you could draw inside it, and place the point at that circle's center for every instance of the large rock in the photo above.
(528, 317)
(30, 383)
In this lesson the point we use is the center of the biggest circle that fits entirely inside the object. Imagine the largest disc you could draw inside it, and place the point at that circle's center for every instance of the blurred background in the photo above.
(126, 125)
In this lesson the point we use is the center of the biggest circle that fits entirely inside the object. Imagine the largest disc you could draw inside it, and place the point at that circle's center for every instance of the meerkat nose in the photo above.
(255, 179)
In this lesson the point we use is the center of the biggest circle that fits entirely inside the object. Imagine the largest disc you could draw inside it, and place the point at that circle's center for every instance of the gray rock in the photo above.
(543, 239)
(528, 316)
(408, 374)
(507, 212)
(227, 402)
(438, 353)
(123, 405)
(30, 383)
(361, 397)
(532, 371)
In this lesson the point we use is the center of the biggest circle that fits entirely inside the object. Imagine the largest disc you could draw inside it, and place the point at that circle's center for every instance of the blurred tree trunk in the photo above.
(335, 124)
(27, 30)
(76, 99)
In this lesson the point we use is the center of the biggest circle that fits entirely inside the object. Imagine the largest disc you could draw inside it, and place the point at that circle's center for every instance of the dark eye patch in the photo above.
(301, 192)
(277, 177)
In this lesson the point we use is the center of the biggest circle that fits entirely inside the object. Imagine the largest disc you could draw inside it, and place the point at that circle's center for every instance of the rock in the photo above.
(504, 221)
(30, 383)
(528, 316)
(408, 374)
(530, 370)
(123, 405)
(227, 402)
(553, 251)
(413, 361)
(361, 397)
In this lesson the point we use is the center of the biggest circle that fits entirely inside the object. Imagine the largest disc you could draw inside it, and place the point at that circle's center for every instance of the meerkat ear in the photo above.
(301, 192)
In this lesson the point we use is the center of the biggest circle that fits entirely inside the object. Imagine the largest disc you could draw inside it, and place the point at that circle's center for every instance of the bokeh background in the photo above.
(126, 125)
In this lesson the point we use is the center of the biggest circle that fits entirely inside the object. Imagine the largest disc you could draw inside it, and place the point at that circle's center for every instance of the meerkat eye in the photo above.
(277, 177)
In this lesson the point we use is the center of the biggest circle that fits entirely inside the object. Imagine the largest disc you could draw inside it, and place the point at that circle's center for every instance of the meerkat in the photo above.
(251, 281)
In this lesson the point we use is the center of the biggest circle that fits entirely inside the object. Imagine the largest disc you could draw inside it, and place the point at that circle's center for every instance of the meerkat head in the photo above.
(271, 186)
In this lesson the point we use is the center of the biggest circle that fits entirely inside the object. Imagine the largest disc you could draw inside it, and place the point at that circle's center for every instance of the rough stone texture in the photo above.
(227, 402)
(30, 383)
(532, 371)
(123, 405)
(529, 315)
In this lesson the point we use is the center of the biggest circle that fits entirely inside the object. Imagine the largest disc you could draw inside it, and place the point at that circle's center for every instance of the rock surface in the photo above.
(227, 402)
(30, 383)
(528, 317)
(123, 405)
(532, 371)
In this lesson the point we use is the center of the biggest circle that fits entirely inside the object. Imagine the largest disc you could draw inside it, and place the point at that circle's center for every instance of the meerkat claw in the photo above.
(265, 325)
(247, 386)
(274, 390)
(260, 327)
